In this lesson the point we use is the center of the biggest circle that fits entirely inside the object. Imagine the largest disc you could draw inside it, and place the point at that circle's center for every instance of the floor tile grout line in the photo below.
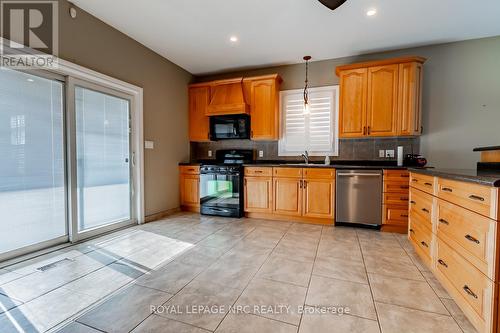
(310, 276)
(369, 284)
(253, 276)
(415, 309)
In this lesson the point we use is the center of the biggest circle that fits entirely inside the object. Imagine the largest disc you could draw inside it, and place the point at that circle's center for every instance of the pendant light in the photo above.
(306, 87)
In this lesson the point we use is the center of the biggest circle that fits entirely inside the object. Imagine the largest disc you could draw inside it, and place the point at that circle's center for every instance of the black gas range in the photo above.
(221, 183)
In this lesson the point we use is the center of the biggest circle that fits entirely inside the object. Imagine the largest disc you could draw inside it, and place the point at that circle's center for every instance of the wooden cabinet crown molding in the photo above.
(384, 62)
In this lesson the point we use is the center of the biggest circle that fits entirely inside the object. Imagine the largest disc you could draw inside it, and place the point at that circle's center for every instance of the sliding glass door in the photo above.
(66, 167)
(32, 165)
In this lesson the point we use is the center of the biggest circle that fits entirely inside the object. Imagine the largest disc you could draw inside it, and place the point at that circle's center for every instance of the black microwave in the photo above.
(230, 127)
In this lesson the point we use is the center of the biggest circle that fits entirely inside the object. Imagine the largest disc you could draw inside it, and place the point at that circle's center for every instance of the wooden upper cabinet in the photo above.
(353, 89)
(264, 104)
(199, 98)
(381, 98)
(382, 108)
(410, 98)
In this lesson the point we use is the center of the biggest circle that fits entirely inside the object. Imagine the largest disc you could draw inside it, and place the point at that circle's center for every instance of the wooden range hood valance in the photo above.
(227, 98)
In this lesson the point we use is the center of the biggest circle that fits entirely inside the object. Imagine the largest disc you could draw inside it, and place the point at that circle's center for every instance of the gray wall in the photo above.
(461, 97)
(91, 43)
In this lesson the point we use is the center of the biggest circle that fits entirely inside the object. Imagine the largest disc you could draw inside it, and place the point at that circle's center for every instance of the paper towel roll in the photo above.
(400, 156)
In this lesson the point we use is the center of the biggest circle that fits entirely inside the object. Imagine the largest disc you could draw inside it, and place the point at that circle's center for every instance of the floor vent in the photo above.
(53, 265)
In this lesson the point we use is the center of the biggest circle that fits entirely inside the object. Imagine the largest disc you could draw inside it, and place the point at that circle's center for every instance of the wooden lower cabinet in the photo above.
(298, 194)
(395, 201)
(464, 244)
(287, 196)
(189, 181)
(258, 194)
(319, 196)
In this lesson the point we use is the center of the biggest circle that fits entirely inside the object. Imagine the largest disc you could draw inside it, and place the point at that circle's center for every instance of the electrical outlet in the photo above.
(261, 153)
(149, 145)
(209, 153)
(389, 153)
(381, 153)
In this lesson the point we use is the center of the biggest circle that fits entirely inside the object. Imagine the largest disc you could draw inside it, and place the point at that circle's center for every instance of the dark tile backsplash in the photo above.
(349, 149)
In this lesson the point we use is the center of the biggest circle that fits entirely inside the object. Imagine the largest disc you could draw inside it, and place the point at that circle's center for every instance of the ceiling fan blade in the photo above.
(332, 4)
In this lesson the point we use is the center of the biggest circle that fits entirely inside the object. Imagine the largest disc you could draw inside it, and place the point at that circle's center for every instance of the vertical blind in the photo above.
(315, 132)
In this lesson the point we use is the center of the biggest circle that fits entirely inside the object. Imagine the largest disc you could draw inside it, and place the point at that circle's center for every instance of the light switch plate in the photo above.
(261, 153)
(209, 153)
(381, 153)
(149, 145)
(389, 153)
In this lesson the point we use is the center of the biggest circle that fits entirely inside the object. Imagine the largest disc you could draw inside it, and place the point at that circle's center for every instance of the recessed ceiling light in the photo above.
(233, 39)
(371, 12)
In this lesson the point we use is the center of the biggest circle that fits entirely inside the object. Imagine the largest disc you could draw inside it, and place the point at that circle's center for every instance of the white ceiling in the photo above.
(195, 33)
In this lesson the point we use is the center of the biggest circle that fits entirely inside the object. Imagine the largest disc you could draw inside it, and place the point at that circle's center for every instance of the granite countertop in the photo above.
(488, 178)
(362, 165)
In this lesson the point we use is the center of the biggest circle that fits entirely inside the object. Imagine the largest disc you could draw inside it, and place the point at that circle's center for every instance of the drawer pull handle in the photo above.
(403, 198)
(469, 291)
(443, 221)
(413, 202)
(476, 197)
(404, 187)
(424, 244)
(472, 239)
(414, 180)
(405, 176)
(442, 263)
(447, 189)
(190, 169)
(404, 215)
(428, 184)
(258, 171)
(411, 230)
(425, 210)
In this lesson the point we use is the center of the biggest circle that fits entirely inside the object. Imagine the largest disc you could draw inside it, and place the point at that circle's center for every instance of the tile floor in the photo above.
(208, 274)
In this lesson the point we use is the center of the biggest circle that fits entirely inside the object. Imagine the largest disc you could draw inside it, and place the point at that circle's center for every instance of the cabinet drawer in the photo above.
(315, 173)
(189, 169)
(395, 214)
(422, 238)
(470, 234)
(396, 186)
(287, 172)
(397, 175)
(421, 205)
(400, 199)
(473, 290)
(475, 197)
(416, 219)
(258, 171)
(422, 182)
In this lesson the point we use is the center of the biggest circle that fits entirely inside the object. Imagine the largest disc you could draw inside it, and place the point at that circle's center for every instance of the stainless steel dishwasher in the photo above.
(359, 197)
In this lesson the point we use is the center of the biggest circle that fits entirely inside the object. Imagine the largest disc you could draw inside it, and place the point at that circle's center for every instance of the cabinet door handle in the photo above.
(424, 244)
(369, 130)
(305, 183)
(428, 184)
(300, 184)
(472, 239)
(364, 130)
(425, 210)
(442, 263)
(443, 221)
(245, 182)
(469, 291)
(404, 187)
(447, 189)
(476, 197)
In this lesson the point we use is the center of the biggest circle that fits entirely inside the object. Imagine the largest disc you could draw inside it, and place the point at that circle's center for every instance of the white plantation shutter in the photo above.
(315, 132)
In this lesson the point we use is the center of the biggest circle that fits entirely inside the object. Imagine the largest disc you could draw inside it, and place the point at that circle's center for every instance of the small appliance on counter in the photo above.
(221, 183)
(414, 160)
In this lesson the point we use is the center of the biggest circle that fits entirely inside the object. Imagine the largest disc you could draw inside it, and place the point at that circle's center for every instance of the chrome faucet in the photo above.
(306, 157)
